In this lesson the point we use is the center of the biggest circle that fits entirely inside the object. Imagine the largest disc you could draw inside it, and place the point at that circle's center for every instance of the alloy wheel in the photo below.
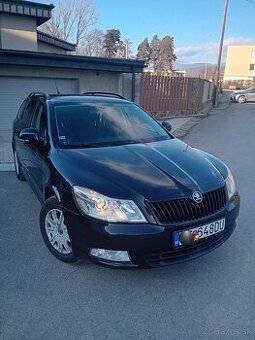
(241, 99)
(57, 232)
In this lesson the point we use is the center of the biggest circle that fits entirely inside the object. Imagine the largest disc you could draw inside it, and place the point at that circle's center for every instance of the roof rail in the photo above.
(102, 93)
(39, 94)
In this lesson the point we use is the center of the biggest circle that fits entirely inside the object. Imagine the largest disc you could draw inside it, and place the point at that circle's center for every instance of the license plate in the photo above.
(188, 236)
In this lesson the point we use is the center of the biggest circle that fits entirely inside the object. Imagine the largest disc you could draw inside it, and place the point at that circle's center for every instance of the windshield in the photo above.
(104, 124)
(251, 89)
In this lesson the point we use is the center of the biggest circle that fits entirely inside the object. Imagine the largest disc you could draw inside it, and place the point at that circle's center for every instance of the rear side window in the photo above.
(28, 112)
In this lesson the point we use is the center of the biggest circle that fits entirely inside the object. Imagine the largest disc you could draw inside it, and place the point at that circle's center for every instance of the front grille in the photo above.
(186, 209)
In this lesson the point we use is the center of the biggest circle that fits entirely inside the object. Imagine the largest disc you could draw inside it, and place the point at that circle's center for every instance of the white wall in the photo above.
(23, 37)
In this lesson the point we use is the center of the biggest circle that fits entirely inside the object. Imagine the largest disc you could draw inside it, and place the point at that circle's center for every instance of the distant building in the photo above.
(180, 73)
(240, 63)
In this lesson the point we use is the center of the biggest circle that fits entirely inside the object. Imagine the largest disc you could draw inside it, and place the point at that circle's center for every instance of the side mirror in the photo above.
(167, 125)
(29, 135)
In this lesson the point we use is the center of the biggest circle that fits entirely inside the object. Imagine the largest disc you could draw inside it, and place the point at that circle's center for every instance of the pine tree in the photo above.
(144, 51)
(111, 41)
(155, 51)
(166, 55)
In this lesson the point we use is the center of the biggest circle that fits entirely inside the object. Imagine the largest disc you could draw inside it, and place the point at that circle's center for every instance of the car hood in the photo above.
(155, 171)
(239, 92)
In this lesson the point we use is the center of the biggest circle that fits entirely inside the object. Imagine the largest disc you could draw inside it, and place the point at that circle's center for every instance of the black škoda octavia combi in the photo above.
(116, 186)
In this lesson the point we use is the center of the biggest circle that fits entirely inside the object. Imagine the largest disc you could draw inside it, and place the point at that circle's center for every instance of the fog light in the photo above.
(110, 255)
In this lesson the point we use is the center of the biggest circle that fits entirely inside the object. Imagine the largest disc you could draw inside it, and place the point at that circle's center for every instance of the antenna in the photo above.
(57, 87)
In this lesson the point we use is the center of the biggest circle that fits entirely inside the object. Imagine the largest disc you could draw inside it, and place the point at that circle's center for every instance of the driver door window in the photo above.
(27, 113)
(39, 121)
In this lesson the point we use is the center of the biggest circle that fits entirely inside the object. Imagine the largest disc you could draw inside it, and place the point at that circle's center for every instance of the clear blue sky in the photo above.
(194, 24)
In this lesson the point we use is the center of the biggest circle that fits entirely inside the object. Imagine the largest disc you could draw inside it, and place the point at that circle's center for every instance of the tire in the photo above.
(18, 167)
(54, 231)
(241, 99)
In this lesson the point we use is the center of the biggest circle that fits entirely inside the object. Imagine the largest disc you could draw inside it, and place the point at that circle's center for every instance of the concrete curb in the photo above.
(186, 127)
(194, 120)
(225, 107)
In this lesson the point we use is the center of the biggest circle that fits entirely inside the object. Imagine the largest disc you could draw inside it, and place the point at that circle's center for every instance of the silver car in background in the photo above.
(242, 96)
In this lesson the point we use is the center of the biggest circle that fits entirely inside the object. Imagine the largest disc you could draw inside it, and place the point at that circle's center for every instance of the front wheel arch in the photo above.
(48, 192)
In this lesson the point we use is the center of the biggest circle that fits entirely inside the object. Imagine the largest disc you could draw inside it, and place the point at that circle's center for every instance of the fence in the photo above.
(166, 96)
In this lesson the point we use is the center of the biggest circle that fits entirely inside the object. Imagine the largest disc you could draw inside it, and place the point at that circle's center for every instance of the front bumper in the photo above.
(149, 245)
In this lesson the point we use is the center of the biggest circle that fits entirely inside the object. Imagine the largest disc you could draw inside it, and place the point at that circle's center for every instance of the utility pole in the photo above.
(127, 44)
(126, 49)
(217, 75)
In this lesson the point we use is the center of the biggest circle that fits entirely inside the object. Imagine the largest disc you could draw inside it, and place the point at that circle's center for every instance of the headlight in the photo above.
(230, 183)
(105, 208)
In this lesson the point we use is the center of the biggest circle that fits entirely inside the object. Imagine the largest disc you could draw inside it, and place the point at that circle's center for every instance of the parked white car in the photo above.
(242, 96)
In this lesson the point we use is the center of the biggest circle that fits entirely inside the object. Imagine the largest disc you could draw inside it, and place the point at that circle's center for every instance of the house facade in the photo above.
(31, 60)
(240, 63)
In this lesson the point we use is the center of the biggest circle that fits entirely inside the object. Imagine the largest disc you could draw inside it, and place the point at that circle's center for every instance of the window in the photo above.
(39, 120)
(106, 124)
(28, 112)
(251, 67)
(252, 54)
(21, 109)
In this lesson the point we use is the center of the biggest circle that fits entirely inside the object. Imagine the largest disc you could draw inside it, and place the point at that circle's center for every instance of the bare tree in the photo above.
(94, 45)
(124, 49)
(71, 21)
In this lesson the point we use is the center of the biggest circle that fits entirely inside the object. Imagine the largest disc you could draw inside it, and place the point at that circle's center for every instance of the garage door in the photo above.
(14, 90)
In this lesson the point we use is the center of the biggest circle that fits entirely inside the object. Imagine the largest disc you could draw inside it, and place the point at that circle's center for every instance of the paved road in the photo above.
(42, 298)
